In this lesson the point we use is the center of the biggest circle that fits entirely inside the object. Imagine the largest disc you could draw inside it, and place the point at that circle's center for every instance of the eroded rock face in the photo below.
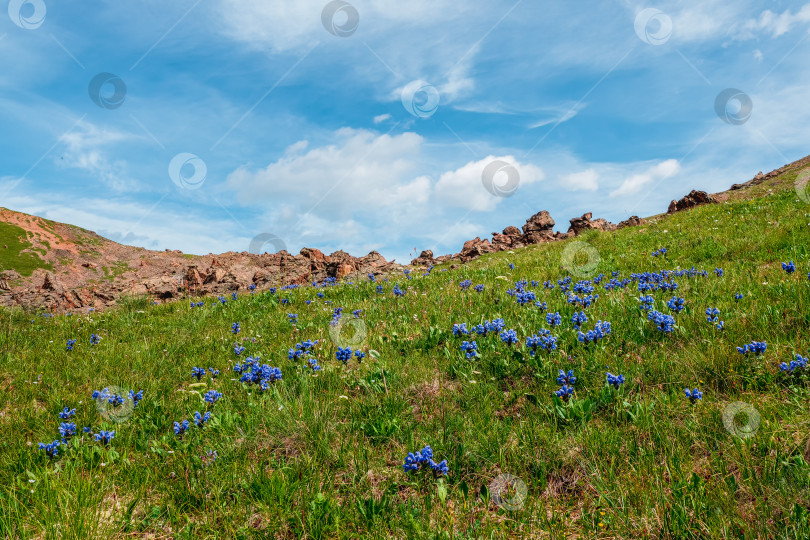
(585, 223)
(694, 198)
(424, 259)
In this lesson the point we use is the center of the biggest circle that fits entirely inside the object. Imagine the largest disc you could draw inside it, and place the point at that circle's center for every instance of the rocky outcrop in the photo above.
(632, 221)
(585, 223)
(694, 198)
(424, 259)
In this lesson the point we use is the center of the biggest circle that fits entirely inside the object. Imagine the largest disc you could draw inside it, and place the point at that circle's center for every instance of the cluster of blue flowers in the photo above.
(664, 323)
(70, 344)
(415, 461)
(544, 340)
(479, 288)
(235, 328)
(676, 304)
(646, 302)
(470, 348)
(494, 326)
(578, 319)
(460, 329)
(201, 419)
(615, 380)
(106, 395)
(197, 304)
(95, 339)
(398, 291)
(212, 396)
(293, 318)
(755, 347)
(600, 331)
(509, 337)
(344, 354)
(465, 284)
(661, 251)
(301, 349)
(799, 364)
(254, 372)
(553, 319)
(694, 395)
(789, 267)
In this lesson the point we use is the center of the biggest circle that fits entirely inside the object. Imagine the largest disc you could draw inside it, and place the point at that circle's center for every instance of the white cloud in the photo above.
(84, 148)
(464, 187)
(772, 24)
(661, 171)
(379, 119)
(586, 180)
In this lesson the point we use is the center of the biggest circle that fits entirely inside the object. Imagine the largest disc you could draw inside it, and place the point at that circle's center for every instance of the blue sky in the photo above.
(305, 135)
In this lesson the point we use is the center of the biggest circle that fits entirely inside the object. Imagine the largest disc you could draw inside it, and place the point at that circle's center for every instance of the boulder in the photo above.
(694, 198)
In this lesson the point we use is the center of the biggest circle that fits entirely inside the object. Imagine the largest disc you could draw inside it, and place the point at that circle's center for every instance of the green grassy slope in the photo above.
(320, 455)
(12, 257)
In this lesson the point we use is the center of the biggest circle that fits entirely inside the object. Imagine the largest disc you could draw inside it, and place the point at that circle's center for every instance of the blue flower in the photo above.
(478, 288)
(180, 428)
(544, 341)
(719, 272)
(212, 396)
(51, 449)
(293, 318)
(414, 461)
(578, 319)
(646, 302)
(755, 347)
(676, 304)
(398, 291)
(135, 397)
(235, 328)
(197, 373)
(566, 378)
(234, 296)
(465, 284)
(344, 354)
(199, 419)
(542, 305)
(600, 331)
(214, 372)
(664, 323)
(380, 289)
(565, 392)
(509, 337)
(67, 413)
(470, 348)
(313, 364)
(359, 355)
(87, 429)
(789, 267)
(252, 288)
(105, 436)
(371, 277)
(553, 319)
(67, 430)
(94, 339)
(511, 266)
(70, 344)
(615, 380)
(357, 313)
(738, 296)
(238, 350)
(800, 363)
(694, 395)
(460, 329)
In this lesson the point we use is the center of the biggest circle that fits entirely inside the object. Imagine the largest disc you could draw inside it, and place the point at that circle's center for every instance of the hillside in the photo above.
(62, 268)
(648, 381)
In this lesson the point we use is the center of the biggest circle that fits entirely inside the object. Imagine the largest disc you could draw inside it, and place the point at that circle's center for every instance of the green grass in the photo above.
(320, 456)
(13, 257)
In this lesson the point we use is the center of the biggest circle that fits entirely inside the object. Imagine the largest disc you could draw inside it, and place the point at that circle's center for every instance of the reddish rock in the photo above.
(694, 198)
(584, 223)
(632, 221)
(424, 259)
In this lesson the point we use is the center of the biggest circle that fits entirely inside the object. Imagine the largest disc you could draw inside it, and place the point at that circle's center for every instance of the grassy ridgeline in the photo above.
(321, 454)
